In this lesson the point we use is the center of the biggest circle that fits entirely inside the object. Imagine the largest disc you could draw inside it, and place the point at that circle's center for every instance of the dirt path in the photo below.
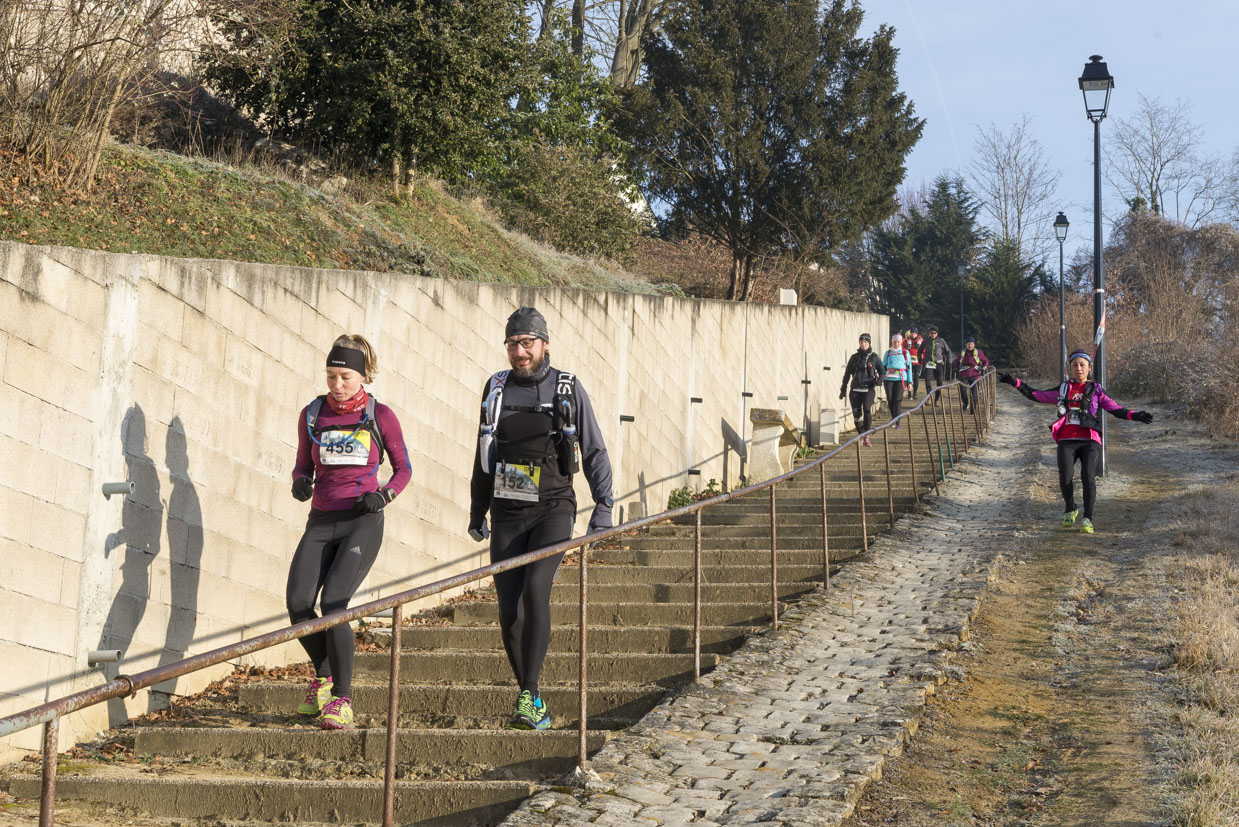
(1062, 697)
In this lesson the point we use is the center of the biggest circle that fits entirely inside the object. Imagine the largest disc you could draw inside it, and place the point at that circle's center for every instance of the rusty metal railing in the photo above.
(49, 714)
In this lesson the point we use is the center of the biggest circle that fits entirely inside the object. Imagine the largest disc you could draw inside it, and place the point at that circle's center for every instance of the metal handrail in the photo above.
(49, 714)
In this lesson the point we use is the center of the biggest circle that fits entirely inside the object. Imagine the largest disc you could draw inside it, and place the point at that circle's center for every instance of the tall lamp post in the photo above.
(1060, 232)
(961, 270)
(1096, 83)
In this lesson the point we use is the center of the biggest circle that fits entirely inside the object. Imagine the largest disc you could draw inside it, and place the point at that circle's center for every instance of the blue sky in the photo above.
(967, 63)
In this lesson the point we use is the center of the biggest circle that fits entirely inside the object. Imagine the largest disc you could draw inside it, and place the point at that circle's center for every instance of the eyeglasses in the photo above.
(526, 343)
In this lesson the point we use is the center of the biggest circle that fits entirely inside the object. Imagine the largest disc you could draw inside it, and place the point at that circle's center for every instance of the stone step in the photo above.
(720, 559)
(651, 639)
(628, 614)
(245, 798)
(758, 531)
(683, 526)
(600, 574)
(516, 755)
(752, 592)
(609, 705)
(841, 536)
(560, 668)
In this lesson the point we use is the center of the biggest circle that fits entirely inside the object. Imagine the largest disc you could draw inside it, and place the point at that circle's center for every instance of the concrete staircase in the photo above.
(456, 764)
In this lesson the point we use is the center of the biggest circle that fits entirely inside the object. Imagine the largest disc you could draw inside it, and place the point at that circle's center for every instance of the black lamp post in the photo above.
(1060, 232)
(1096, 83)
(962, 271)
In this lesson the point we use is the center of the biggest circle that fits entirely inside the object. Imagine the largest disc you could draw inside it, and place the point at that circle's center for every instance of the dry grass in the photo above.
(1206, 651)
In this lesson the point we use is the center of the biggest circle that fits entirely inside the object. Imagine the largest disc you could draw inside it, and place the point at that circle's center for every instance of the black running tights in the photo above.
(862, 408)
(525, 593)
(1087, 451)
(894, 397)
(335, 554)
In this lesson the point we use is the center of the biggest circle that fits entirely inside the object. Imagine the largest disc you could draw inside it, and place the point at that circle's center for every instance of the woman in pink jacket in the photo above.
(1077, 430)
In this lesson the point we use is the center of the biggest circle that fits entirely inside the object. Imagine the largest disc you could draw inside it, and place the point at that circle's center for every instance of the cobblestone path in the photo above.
(794, 725)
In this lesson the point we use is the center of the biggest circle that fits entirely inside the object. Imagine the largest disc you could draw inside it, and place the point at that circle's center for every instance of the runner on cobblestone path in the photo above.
(864, 370)
(1077, 430)
(537, 429)
(341, 438)
(896, 369)
(969, 366)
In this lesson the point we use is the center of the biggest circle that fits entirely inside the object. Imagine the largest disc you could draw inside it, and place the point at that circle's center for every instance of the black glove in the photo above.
(303, 488)
(1006, 379)
(1143, 416)
(479, 531)
(600, 520)
(842, 394)
(374, 501)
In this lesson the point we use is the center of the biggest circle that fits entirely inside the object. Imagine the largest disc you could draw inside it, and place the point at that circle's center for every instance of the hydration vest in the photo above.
(562, 409)
(1087, 418)
(368, 421)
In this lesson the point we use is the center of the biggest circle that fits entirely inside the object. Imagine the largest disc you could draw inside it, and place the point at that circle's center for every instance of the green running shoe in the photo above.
(1069, 519)
(530, 713)
(1086, 527)
(337, 714)
(316, 697)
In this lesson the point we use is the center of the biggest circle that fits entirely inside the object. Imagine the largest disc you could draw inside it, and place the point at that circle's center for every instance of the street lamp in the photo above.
(1096, 84)
(1060, 232)
(962, 271)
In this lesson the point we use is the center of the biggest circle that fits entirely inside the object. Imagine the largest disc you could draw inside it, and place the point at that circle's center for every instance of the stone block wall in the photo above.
(187, 377)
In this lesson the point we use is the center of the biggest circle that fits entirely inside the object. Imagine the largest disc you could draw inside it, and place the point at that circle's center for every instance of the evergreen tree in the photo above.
(770, 127)
(405, 84)
(915, 259)
(999, 293)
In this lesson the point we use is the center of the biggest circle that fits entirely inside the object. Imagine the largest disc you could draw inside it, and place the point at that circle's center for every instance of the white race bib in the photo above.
(345, 447)
(517, 481)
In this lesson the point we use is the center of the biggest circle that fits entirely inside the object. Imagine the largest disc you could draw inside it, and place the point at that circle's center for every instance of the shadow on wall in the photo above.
(184, 516)
(141, 531)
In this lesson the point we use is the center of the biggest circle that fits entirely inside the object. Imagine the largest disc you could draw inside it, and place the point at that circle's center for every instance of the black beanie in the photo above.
(527, 321)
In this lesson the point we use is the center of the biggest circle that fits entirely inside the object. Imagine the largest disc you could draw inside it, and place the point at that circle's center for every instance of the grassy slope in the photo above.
(166, 204)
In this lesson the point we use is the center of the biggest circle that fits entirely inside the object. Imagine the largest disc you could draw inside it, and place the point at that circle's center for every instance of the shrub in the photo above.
(569, 198)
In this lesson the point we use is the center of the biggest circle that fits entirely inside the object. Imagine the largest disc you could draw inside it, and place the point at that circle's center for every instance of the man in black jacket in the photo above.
(537, 429)
(936, 360)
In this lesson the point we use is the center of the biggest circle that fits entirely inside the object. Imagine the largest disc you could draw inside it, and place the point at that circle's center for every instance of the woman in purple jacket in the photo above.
(969, 365)
(1077, 430)
(341, 438)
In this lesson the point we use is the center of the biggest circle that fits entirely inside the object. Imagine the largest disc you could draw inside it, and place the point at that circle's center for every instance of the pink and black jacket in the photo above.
(1097, 400)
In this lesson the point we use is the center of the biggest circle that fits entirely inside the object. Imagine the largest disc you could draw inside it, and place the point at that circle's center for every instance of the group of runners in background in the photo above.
(910, 359)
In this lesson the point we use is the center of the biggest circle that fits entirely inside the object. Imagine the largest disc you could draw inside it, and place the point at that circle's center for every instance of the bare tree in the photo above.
(612, 30)
(1015, 184)
(1156, 160)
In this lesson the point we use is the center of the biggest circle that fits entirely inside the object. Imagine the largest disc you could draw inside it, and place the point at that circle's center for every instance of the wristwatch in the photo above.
(609, 502)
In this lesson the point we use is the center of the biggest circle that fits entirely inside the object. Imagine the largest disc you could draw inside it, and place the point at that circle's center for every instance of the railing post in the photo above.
(963, 420)
(916, 493)
(976, 416)
(890, 494)
(583, 640)
(774, 566)
(940, 413)
(825, 533)
(937, 431)
(959, 451)
(393, 719)
(47, 790)
(929, 447)
(860, 486)
(697, 601)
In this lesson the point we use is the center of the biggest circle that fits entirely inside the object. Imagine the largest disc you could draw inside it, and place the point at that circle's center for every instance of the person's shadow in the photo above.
(141, 528)
(184, 517)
